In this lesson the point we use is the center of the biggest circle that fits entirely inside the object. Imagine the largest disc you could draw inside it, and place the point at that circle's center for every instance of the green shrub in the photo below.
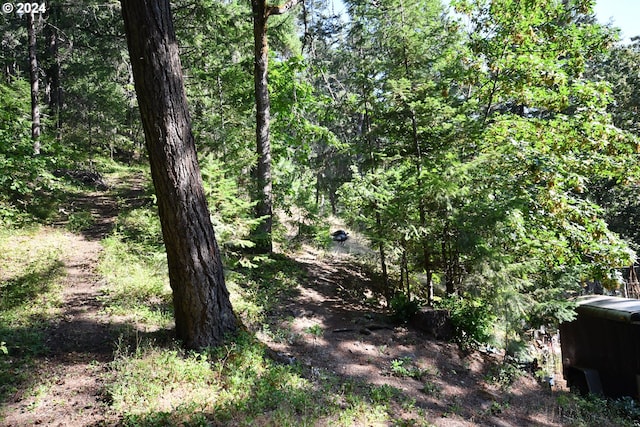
(503, 375)
(231, 209)
(403, 307)
(472, 318)
(384, 393)
(79, 221)
(404, 367)
(141, 225)
(138, 281)
(592, 410)
(24, 178)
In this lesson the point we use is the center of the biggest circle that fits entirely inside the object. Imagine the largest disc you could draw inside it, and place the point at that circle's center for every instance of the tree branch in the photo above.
(282, 8)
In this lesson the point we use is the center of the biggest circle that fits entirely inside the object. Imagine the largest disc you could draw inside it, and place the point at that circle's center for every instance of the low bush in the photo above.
(403, 308)
(472, 318)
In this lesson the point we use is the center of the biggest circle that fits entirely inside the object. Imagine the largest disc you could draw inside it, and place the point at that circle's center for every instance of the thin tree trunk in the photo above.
(448, 260)
(264, 194)
(203, 312)
(132, 124)
(366, 130)
(426, 256)
(422, 211)
(383, 259)
(35, 89)
(404, 271)
(430, 293)
(221, 112)
(317, 189)
(264, 186)
(54, 85)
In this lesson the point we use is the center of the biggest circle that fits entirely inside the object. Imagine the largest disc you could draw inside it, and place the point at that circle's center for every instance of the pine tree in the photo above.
(201, 303)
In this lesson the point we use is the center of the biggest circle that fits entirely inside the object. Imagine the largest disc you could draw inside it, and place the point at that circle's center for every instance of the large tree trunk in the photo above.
(203, 311)
(264, 206)
(34, 77)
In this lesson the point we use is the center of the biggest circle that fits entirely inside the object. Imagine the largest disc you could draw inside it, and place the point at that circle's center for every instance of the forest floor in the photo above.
(331, 330)
(79, 342)
(354, 340)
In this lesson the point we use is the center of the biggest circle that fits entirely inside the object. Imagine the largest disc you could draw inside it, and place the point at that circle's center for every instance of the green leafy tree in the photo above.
(23, 177)
(330, 74)
(404, 55)
(219, 87)
(89, 81)
(299, 142)
(34, 77)
(619, 68)
(541, 137)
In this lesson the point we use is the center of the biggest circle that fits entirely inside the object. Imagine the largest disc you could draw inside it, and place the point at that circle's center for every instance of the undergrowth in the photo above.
(138, 282)
(591, 410)
(30, 297)
(157, 383)
(153, 381)
(135, 266)
(235, 384)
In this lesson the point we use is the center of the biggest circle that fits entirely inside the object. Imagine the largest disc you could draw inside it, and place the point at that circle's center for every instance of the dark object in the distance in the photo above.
(340, 236)
(434, 322)
(601, 347)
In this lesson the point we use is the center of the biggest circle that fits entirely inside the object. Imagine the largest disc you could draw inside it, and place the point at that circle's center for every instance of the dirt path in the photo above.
(67, 382)
(335, 331)
(330, 327)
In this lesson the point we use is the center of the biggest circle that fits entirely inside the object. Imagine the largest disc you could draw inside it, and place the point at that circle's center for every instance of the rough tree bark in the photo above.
(203, 312)
(264, 196)
(35, 89)
(53, 90)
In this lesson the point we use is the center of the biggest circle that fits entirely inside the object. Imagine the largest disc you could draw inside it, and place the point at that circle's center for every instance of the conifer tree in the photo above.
(201, 303)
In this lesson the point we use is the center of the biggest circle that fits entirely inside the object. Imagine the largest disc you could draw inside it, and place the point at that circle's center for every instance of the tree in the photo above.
(474, 159)
(261, 13)
(219, 92)
(621, 69)
(35, 87)
(53, 89)
(22, 174)
(203, 311)
(398, 55)
(540, 136)
(88, 81)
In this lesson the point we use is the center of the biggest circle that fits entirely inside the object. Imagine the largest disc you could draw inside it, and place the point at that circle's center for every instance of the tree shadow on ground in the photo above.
(335, 326)
(101, 205)
(48, 341)
(23, 289)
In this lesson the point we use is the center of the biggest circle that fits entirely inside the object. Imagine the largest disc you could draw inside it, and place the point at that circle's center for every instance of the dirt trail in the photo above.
(335, 331)
(67, 382)
(331, 330)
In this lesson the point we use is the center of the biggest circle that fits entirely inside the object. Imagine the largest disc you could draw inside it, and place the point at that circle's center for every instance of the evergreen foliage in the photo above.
(489, 156)
(24, 179)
